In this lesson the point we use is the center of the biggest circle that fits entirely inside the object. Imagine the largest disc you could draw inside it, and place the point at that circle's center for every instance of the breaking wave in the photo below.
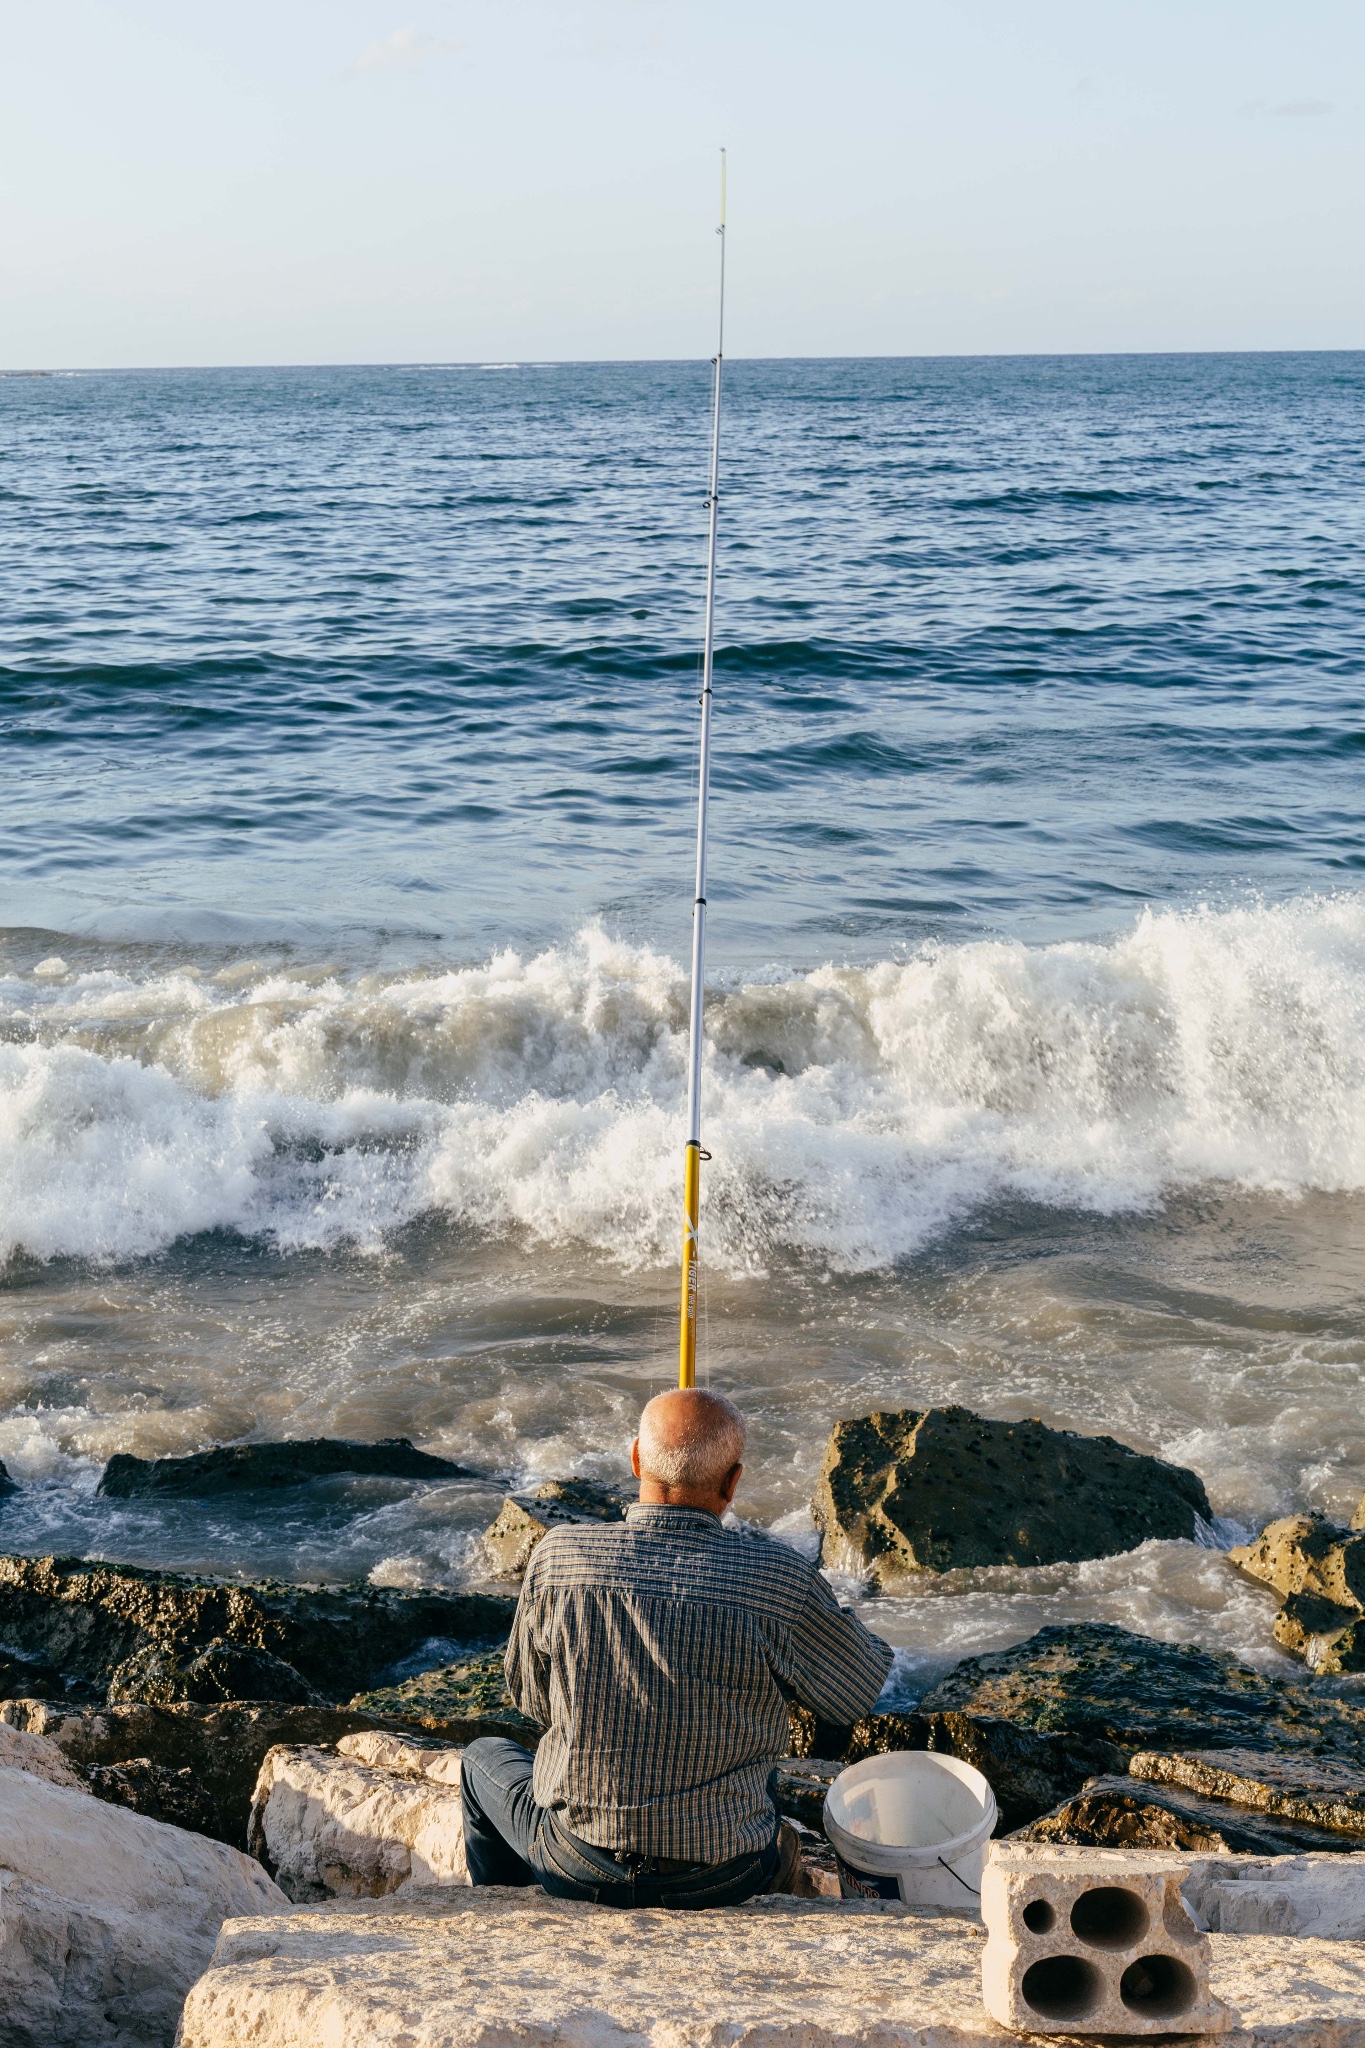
(855, 1112)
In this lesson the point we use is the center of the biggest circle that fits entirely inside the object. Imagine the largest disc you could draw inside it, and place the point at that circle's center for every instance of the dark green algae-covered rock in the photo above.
(471, 1695)
(1041, 1718)
(941, 1489)
(86, 1619)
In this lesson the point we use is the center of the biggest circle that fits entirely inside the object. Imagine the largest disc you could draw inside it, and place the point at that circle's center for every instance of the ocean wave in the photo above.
(856, 1113)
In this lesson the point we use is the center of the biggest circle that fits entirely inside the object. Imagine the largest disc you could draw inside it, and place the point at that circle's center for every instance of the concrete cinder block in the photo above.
(1093, 1941)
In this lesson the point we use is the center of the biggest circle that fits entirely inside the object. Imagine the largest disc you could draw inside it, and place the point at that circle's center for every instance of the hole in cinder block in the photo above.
(1158, 1987)
(1062, 1987)
(1109, 1917)
(1039, 1917)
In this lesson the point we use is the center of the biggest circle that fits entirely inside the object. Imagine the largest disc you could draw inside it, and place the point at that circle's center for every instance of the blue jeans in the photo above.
(510, 1840)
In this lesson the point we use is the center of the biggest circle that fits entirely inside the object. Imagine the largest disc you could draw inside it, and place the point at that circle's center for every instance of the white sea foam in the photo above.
(855, 1113)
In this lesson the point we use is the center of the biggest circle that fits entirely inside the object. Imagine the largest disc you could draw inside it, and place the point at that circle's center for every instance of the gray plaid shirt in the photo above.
(660, 1654)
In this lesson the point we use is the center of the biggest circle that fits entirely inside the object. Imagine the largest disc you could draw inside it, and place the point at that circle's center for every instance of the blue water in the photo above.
(348, 719)
(1008, 646)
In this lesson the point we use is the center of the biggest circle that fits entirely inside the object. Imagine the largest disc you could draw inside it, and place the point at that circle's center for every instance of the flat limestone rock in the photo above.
(417, 1756)
(463, 1967)
(107, 1918)
(234, 1468)
(1324, 1792)
(86, 1618)
(1124, 1813)
(525, 1518)
(1318, 1569)
(329, 1826)
(939, 1489)
(1319, 1896)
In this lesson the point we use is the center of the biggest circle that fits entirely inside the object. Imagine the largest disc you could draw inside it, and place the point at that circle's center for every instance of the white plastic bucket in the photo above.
(911, 1826)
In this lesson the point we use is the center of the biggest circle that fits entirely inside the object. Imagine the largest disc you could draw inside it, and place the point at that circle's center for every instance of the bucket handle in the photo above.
(961, 1880)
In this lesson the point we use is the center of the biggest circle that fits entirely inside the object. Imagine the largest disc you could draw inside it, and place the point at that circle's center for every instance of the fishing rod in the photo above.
(693, 1153)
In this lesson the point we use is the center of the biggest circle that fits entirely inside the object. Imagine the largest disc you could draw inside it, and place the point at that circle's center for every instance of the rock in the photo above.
(7, 1485)
(107, 1918)
(1071, 1702)
(22, 1751)
(524, 1518)
(1041, 1718)
(87, 1618)
(940, 1489)
(27, 1678)
(331, 1826)
(416, 1755)
(1322, 1792)
(222, 1748)
(221, 1671)
(799, 1787)
(522, 1970)
(1318, 1569)
(1124, 1813)
(471, 1696)
(232, 1468)
(1095, 1942)
(1318, 1896)
(176, 1797)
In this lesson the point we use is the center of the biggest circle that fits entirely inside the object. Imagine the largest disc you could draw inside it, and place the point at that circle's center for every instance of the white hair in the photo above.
(700, 1455)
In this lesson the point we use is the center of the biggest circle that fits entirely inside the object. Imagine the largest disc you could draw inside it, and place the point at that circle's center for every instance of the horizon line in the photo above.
(631, 362)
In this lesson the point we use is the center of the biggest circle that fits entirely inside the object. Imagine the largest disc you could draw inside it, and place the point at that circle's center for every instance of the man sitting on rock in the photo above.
(660, 1655)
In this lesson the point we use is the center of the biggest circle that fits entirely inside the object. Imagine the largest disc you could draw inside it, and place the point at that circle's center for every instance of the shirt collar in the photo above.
(658, 1514)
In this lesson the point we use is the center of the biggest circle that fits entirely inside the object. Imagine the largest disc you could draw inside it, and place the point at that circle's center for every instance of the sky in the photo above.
(319, 181)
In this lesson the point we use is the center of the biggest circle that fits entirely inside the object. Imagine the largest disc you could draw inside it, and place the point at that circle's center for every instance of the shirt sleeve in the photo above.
(829, 1661)
(526, 1663)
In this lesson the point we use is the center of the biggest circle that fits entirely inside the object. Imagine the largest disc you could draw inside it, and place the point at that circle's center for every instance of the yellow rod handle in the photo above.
(687, 1346)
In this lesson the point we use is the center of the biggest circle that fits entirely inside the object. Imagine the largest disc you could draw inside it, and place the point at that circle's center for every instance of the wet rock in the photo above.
(108, 1917)
(1298, 1785)
(1072, 1702)
(223, 1748)
(1104, 1684)
(7, 1485)
(86, 1618)
(232, 1468)
(939, 1489)
(29, 1678)
(221, 1671)
(177, 1798)
(1318, 1569)
(471, 1696)
(1120, 1813)
(525, 1518)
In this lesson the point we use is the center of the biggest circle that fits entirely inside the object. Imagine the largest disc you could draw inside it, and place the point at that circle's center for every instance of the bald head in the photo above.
(690, 1449)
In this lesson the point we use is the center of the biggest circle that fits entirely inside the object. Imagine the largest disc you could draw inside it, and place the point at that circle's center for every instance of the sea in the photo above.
(348, 721)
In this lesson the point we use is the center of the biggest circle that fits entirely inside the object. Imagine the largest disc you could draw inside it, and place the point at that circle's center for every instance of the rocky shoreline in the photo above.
(178, 1697)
